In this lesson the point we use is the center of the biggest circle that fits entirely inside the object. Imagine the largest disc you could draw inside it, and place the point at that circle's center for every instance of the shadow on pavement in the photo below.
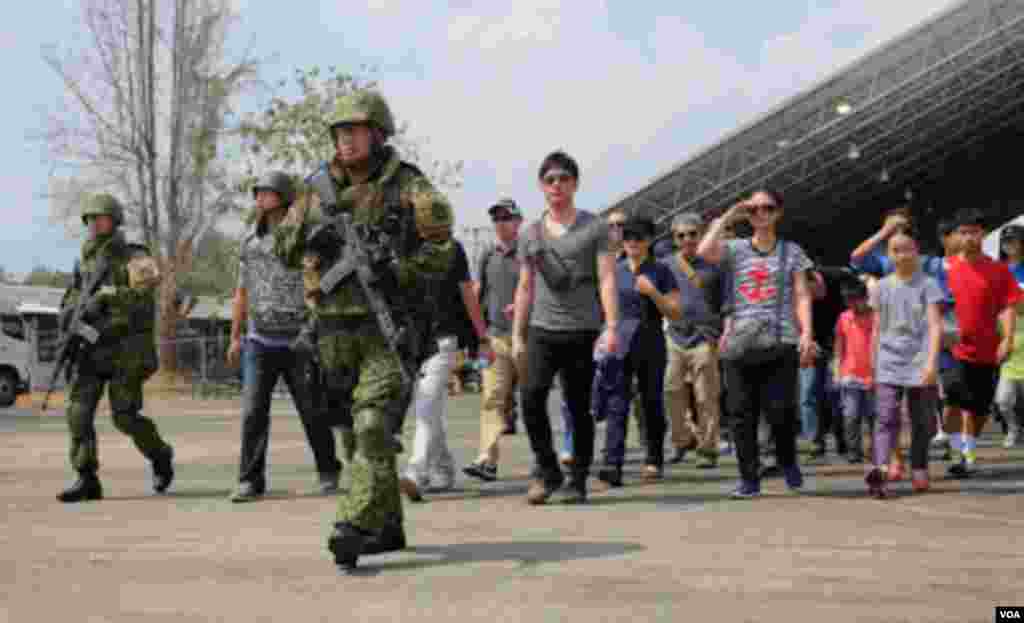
(526, 553)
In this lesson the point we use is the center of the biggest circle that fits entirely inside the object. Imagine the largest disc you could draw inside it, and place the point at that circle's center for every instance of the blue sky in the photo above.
(628, 88)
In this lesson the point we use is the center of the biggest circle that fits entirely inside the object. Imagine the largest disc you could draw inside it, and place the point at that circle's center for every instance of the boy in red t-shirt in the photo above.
(854, 368)
(985, 294)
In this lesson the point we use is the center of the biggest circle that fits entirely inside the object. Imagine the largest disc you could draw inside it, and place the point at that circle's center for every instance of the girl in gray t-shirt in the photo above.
(908, 331)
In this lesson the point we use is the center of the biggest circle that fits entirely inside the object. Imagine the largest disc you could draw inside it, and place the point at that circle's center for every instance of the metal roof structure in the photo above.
(886, 123)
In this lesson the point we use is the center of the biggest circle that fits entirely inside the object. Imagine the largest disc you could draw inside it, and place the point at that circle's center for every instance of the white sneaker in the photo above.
(940, 438)
(725, 448)
(1011, 439)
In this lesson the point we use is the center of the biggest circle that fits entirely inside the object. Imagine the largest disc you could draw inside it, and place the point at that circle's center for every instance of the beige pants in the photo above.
(500, 380)
(692, 389)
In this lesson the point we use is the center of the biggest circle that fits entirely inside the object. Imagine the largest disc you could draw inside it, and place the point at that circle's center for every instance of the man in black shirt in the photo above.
(819, 403)
(431, 465)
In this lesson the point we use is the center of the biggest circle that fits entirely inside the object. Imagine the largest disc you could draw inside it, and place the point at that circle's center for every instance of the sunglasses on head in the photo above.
(686, 234)
(554, 178)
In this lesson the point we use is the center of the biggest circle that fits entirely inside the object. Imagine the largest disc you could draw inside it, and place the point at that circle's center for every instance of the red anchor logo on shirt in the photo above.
(756, 289)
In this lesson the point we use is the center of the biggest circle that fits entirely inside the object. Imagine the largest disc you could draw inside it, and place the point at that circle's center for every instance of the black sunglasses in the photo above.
(766, 208)
(686, 234)
(550, 180)
(634, 235)
(618, 225)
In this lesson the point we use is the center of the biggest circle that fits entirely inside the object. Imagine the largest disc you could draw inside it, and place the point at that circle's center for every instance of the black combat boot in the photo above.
(346, 543)
(163, 470)
(87, 487)
(390, 539)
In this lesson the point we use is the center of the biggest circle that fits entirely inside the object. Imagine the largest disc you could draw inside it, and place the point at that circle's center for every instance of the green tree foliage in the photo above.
(214, 270)
(291, 133)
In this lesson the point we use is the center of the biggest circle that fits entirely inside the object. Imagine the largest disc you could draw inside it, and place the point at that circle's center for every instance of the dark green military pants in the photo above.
(123, 382)
(378, 397)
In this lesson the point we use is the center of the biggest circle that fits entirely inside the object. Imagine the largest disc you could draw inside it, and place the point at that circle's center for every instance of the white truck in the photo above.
(28, 350)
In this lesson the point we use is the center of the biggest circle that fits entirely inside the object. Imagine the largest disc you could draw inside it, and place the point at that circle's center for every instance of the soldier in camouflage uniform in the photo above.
(360, 371)
(123, 313)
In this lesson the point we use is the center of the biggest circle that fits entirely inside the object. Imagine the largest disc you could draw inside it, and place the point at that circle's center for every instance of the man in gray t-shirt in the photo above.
(567, 277)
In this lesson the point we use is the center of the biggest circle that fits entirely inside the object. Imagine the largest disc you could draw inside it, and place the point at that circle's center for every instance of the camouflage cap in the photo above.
(363, 107)
(103, 204)
(279, 182)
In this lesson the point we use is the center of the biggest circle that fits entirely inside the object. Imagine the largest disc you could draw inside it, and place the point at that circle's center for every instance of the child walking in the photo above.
(854, 370)
(907, 340)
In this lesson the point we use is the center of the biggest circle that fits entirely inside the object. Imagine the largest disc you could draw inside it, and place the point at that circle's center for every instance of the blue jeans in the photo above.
(262, 366)
(812, 394)
(567, 431)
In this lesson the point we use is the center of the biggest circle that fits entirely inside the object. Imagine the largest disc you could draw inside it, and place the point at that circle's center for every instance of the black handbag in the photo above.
(752, 340)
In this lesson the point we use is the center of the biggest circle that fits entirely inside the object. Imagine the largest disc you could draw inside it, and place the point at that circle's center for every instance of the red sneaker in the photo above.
(920, 481)
(896, 472)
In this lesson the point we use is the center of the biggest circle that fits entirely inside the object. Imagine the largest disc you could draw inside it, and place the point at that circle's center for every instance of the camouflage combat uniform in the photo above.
(123, 357)
(360, 372)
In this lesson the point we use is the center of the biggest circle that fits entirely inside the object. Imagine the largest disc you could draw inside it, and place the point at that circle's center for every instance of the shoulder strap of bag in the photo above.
(780, 292)
(690, 273)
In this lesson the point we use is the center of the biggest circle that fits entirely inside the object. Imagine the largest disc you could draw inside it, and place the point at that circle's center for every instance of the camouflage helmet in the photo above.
(279, 182)
(103, 203)
(363, 107)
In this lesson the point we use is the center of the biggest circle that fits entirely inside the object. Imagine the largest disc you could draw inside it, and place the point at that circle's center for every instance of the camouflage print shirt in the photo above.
(274, 291)
(127, 297)
(427, 216)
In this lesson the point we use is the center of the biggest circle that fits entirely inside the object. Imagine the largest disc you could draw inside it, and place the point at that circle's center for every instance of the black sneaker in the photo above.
(575, 492)
(482, 471)
(611, 474)
(958, 470)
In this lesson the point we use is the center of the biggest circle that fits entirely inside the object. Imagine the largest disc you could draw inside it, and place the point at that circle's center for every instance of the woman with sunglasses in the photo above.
(648, 293)
(776, 321)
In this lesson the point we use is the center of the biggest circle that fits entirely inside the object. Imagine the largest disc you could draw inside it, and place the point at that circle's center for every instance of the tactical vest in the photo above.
(380, 217)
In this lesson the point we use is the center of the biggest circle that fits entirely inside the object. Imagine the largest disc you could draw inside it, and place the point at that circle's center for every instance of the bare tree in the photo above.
(147, 116)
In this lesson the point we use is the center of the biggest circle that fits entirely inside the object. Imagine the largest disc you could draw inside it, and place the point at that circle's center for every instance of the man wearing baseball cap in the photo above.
(498, 279)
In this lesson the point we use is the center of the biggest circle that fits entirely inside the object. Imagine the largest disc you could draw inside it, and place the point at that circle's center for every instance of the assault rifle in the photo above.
(359, 258)
(74, 333)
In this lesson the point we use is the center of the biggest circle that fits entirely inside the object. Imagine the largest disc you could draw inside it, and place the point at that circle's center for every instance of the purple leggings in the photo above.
(922, 411)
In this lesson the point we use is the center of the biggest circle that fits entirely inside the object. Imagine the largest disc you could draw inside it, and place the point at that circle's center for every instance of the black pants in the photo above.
(830, 410)
(548, 353)
(645, 361)
(768, 387)
(263, 367)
